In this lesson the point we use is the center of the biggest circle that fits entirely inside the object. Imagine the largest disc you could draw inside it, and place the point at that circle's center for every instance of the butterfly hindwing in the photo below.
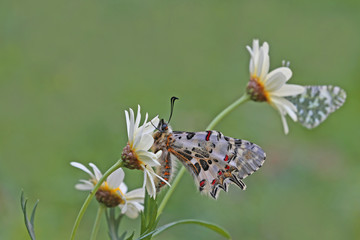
(317, 103)
(216, 160)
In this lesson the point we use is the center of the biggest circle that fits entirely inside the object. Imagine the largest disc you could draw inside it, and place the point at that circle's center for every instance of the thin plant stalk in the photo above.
(117, 165)
(96, 226)
(212, 124)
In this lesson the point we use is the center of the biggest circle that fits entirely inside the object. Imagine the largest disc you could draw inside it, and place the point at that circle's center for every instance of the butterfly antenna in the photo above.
(154, 126)
(172, 101)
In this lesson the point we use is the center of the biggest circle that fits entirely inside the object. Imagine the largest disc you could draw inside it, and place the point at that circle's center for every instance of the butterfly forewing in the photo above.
(213, 159)
(316, 104)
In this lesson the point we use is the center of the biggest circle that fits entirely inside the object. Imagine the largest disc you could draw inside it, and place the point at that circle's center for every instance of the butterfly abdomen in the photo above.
(162, 141)
(165, 170)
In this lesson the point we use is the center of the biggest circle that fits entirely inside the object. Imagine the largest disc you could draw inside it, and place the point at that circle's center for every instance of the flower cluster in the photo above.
(136, 155)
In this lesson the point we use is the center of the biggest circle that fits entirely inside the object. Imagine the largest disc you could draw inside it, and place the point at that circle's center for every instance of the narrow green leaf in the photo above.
(28, 223)
(33, 213)
(208, 225)
(148, 216)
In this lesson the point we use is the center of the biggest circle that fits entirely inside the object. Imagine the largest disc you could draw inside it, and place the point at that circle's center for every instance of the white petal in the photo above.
(275, 79)
(250, 50)
(288, 90)
(265, 67)
(286, 127)
(138, 118)
(263, 62)
(148, 158)
(123, 188)
(123, 207)
(149, 183)
(136, 195)
(158, 154)
(97, 172)
(146, 142)
(150, 126)
(139, 133)
(285, 106)
(254, 52)
(128, 125)
(132, 127)
(134, 209)
(116, 178)
(281, 110)
(255, 48)
(84, 185)
(82, 167)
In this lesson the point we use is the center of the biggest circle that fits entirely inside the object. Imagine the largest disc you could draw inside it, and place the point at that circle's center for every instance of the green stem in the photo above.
(96, 226)
(212, 124)
(170, 191)
(117, 165)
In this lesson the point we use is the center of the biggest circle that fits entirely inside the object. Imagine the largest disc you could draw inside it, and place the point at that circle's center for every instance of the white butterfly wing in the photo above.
(317, 103)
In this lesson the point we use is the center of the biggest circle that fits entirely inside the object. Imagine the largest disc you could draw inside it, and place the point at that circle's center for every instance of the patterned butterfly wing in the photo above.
(317, 103)
(215, 160)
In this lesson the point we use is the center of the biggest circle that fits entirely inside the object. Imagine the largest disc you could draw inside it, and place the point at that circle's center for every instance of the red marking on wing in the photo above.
(220, 172)
(226, 158)
(208, 136)
(213, 182)
(227, 167)
(202, 183)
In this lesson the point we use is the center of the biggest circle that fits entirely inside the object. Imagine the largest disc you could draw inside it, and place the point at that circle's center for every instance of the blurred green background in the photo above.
(69, 69)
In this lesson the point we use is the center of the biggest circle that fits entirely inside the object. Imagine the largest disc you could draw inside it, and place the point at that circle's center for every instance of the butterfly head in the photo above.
(163, 126)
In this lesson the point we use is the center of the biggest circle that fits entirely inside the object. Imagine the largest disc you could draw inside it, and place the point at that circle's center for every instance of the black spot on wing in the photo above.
(204, 165)
(188, 157)
(187, 151)
(198, 168)
(238, 141)
(198, 155)
(219, 135)
(194, 169)
(190, 135)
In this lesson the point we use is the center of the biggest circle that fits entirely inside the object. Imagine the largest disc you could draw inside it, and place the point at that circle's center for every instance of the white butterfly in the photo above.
(316, 104)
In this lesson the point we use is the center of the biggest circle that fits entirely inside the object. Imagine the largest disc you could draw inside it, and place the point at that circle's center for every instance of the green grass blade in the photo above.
(208, 225)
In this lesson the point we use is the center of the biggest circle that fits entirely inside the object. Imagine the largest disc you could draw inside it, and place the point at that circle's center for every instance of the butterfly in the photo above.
(316, 104)
(213, 159)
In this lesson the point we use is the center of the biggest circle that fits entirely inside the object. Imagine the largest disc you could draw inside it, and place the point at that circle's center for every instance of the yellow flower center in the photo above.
(109, 196)
(256, 90)
(131, 159)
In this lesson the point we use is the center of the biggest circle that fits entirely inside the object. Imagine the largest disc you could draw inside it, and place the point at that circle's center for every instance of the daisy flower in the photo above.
(136, 153)
(271, 86)
(113, 191)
